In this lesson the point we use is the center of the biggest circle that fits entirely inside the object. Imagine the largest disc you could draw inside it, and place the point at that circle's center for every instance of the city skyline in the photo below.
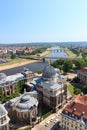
(42, 21)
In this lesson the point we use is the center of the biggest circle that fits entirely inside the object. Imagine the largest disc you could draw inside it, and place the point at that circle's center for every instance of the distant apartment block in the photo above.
(29, 49)
(82, 75)
(84, 50)
(25, 50)
(74, 115)
(3, 50)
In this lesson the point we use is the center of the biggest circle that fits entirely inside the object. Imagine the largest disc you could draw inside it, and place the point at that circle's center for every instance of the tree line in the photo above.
(68, 65)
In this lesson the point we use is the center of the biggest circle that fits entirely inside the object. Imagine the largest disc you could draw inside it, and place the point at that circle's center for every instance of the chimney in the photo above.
(83, 113)
(74, 109)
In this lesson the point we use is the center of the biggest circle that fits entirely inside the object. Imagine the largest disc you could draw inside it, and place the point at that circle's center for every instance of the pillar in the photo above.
(30, 118)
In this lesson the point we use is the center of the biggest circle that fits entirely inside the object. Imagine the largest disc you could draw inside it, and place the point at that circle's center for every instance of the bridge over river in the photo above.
(48, 57)
(56, 53)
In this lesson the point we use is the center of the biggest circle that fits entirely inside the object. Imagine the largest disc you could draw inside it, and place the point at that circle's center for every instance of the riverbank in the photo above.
(70, 53)
(15, 63)
(46, 53)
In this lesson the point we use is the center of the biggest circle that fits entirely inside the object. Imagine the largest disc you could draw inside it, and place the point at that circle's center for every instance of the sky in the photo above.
(23, 21)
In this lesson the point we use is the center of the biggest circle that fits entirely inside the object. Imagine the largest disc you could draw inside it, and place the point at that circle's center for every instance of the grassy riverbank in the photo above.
(70, 53)
(46, 53)
(14, 61)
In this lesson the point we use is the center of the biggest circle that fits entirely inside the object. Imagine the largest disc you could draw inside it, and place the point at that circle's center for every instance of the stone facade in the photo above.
(23, 109)
(8, 83)
(8, 88)
(52, 88)
(82, 75)
(74, 115)
(4, 119)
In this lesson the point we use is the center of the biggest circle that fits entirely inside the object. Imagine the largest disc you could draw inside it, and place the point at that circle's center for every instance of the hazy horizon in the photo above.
(31, 43)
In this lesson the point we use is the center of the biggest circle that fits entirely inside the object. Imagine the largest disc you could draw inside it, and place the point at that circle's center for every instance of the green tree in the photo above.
(60, 61)
(39, 71)
(76, 80)
(68, 65)
(13, 56)
(77, 91)
(80, 63)
(85, 89)
(38, 50)
(13, 95)
(20, 85)
(58, 64)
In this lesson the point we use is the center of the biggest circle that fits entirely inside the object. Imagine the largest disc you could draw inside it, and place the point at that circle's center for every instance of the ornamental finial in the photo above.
(49, 62)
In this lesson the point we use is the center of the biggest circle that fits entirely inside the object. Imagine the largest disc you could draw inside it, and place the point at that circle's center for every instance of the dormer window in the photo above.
(73, 115)
(74, 109)
(76, 117)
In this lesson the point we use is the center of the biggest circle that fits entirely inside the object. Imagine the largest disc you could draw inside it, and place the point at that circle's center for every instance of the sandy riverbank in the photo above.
(4, 67)
(21, 63)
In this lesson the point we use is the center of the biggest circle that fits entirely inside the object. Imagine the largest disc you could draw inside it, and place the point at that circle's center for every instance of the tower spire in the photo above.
(48, 61)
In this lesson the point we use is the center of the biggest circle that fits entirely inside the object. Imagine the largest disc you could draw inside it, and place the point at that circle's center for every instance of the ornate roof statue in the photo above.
(2, 76)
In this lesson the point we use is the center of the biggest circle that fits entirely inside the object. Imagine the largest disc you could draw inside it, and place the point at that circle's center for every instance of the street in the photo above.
(50, 123)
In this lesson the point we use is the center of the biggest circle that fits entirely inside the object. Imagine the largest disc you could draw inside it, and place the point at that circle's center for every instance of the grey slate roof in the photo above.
(2, 111)
(27, 102)
(11, 78)
(2, 76)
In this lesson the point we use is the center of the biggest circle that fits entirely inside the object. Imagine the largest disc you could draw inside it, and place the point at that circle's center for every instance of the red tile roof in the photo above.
(78, 106)
(83, 70)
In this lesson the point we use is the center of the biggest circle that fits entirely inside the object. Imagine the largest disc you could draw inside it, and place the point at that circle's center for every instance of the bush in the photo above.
(45, 111)
(77, 91)
(39, 71)
(13, 56)
(47, 114)
(13, 95)
(74, 89)
(20, 85)
(85, 89)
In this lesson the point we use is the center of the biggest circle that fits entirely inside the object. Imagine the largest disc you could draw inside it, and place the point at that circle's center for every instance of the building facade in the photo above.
(23, 109)
(52, 88)
(74, 115)
(82, 75)
(4, 119)
(8, 83)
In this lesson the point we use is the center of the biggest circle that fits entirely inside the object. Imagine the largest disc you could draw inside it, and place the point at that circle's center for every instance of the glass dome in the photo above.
(49, 72)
